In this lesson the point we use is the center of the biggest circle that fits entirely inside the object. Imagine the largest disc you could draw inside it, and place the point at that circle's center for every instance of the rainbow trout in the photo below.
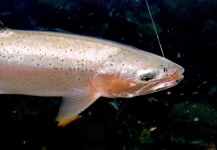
(78, 68)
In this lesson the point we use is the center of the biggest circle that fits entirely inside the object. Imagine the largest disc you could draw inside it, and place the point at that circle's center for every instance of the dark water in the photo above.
(183, 117)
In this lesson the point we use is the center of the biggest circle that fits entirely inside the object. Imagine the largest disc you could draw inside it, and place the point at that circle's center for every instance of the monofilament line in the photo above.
(152, 20)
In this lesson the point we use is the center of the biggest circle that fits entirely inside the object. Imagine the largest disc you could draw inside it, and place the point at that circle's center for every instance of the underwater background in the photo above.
(182, 117)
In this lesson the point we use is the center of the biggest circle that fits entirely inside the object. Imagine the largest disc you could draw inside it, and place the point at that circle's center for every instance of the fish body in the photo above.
(80, 69)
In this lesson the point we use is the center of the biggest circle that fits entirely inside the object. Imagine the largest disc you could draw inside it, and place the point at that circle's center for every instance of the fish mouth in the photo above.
(168, 81)
(177, 74)
(171, 80)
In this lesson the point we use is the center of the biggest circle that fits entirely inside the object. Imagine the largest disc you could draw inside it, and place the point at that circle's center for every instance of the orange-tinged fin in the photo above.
(64, 123)
(75, 102)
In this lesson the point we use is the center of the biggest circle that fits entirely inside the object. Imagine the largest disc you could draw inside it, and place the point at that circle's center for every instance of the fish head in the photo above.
(134, 73)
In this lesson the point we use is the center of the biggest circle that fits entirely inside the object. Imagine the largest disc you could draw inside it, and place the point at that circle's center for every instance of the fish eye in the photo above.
(146, 75)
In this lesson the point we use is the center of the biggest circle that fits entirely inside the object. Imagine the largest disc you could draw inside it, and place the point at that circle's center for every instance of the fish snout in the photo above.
(177, 74)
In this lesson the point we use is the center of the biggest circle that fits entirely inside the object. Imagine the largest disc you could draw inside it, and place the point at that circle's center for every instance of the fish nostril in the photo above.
(165, 69)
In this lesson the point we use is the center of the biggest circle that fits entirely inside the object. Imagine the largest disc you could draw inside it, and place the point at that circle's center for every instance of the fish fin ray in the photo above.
(64, 123)
(75, 102)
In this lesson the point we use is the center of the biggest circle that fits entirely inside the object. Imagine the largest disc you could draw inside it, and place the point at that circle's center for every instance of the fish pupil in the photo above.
(146, 77)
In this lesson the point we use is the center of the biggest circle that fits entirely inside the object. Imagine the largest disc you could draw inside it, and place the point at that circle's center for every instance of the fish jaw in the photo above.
(123, 87)
(167, 82)
(123, 79)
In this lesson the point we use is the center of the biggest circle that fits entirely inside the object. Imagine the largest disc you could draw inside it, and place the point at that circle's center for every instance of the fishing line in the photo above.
(155, 30)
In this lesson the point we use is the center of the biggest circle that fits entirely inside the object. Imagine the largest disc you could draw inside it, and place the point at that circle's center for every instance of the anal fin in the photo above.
(76, 101)
(64, 123)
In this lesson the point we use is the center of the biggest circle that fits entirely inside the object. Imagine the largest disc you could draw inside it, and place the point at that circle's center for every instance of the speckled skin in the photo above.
(78, 68)
(45, 64)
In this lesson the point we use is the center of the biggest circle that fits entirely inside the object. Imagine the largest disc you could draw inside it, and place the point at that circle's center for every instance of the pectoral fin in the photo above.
(73, 104)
